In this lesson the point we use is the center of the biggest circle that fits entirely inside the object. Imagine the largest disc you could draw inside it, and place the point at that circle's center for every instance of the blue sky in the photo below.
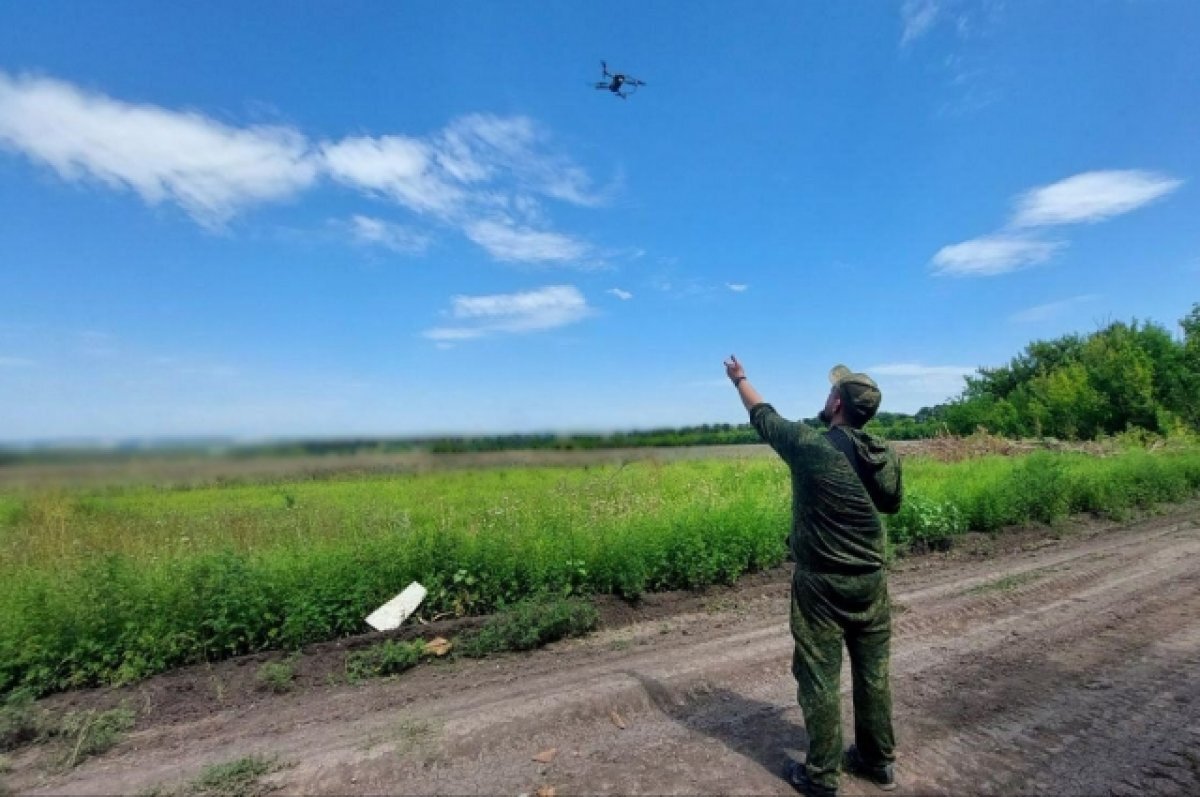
(315, 219)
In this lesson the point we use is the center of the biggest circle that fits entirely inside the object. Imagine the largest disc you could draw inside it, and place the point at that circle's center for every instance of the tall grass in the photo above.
(105, 586)
(984, 494)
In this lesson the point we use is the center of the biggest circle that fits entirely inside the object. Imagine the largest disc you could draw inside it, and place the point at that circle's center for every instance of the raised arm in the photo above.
(737, 375)
(787, 437)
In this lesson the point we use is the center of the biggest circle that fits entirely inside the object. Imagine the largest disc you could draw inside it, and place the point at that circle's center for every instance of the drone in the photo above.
(619, 84)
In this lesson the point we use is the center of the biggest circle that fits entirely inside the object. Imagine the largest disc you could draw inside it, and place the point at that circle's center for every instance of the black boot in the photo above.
(796, 774)
(882, 775)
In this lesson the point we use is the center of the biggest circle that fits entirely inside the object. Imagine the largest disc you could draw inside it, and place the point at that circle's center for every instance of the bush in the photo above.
(90, 733)
(238, 778)
(21, 721)
(927, 520)
(530, 624)
(276, 676)
(387, 658)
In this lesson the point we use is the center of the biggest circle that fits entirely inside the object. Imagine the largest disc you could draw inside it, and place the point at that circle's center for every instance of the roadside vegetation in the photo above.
(78, 735)
(240, 778)
(112, 585)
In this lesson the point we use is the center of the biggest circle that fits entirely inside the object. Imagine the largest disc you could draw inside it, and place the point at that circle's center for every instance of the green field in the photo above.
(106, 585)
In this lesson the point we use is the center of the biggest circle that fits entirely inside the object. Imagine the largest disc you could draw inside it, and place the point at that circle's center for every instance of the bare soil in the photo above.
(1042, 661)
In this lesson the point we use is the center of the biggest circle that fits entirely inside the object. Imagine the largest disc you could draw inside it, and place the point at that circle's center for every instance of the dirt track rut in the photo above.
(1065, 666)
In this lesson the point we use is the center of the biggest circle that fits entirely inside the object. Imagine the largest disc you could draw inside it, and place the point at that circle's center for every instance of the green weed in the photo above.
(276, 676)
(240, 778)
(90, 733)
(21, 721)
(387, 658)
(530, 624)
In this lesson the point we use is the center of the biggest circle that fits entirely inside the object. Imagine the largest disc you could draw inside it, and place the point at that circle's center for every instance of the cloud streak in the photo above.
(1049, 310)
(908, 386)
(1091, 197)
(1088, 197)
(917, 17)
(507, 242)
(397, 167)
(542, 309)
(484, 175)
(990, 255)
(211, 170)
(398, 238)
(919, 371)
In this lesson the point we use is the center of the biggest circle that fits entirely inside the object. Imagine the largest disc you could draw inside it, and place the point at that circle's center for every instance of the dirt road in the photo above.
(1024, 665)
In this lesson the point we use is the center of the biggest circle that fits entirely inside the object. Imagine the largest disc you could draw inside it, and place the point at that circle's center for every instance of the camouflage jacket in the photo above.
(835, 522)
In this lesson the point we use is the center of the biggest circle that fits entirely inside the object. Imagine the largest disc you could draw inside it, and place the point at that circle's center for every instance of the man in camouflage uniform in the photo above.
(841, 480)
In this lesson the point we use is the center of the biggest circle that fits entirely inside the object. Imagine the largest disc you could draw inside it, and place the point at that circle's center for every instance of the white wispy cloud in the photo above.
(919, 371)
(505, 241)
(209, 169)
(481, 173)
(736, 287)
(909, 386)
(16, 362)
(1091, 197)
(620, 294)
(1049, 310)
(993, 254)
(480, 147)
(401, 168)
(1087, 197)
(485, 175)
(917, 17)
(396, 237)
(479, 316)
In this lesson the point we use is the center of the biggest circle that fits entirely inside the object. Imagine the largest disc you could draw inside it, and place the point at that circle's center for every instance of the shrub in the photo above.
(276, 676)
(387, 658)
(927, 520)
(532, 623)
(238, 778)
(21, 721)
(90, 733)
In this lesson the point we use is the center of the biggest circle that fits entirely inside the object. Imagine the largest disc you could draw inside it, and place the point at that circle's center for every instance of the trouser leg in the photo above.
(870, 659)
(817, 666)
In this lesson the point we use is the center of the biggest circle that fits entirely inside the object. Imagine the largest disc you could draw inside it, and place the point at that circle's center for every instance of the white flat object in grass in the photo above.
(390, 615)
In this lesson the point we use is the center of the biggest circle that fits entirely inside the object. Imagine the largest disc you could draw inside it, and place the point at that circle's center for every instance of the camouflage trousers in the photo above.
(828, 610)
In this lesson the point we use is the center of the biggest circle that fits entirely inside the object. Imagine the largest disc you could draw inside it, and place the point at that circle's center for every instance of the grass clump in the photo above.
(530, 624)
(21, 721)
(90, 733)
(240, 778)
(276, 676)
(387, 658)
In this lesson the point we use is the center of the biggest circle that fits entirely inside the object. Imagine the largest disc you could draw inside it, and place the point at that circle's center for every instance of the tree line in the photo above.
(1134, 375)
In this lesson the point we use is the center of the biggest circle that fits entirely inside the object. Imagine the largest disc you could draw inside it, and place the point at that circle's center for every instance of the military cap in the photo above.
(860, 395)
